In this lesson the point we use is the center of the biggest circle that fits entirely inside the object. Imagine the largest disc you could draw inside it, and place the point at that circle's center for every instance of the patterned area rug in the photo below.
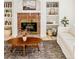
(48, 50)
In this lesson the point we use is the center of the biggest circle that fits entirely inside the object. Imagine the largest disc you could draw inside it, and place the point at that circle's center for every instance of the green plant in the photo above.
(65, 21)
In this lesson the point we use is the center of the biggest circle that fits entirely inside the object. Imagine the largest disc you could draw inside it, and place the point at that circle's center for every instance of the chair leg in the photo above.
(38, 49)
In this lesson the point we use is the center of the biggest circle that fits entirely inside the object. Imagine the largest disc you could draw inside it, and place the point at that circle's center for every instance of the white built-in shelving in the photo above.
(52, 15)
(8, 16)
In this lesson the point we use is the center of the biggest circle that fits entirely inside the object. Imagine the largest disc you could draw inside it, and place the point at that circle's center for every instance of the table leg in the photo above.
(38, 47)
(24, 50)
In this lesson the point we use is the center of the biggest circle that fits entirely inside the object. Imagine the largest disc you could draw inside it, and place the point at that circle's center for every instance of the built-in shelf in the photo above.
(6, 8)
(8, 16)
(52, 15)
(52, 24)
(8, 25)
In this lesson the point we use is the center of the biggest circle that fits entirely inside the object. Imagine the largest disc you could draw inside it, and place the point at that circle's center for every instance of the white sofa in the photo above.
(66, 40)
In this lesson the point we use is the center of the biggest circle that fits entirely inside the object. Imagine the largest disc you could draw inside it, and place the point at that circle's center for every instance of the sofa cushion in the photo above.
(68, 41)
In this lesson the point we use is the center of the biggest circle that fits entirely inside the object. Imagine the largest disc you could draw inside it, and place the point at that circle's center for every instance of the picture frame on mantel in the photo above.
(29, 4)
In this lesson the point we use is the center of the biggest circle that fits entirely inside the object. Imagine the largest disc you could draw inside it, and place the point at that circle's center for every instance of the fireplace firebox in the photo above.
(32, 27)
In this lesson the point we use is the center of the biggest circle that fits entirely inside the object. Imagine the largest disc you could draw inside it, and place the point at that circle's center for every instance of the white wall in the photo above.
(67, 8)
(43, 18)
(17, 7)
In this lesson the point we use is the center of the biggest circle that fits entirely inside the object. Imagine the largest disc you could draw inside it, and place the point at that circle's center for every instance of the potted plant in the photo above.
(65, 21)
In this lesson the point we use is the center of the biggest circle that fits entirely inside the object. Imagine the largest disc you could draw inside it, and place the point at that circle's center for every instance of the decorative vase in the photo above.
(24, 38)
(49, 32)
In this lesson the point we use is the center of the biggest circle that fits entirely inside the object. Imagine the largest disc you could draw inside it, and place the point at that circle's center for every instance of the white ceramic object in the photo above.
(24, 38)
(50, 32)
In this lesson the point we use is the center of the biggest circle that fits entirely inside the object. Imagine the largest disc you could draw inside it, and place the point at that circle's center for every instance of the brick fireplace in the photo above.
(29, 22)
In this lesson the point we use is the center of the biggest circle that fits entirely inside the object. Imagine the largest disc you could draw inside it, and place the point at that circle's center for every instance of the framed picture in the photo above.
(29, 4)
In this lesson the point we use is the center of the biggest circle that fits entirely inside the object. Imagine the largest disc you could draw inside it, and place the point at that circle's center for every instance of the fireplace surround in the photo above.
(29, 26)
(29, 22)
